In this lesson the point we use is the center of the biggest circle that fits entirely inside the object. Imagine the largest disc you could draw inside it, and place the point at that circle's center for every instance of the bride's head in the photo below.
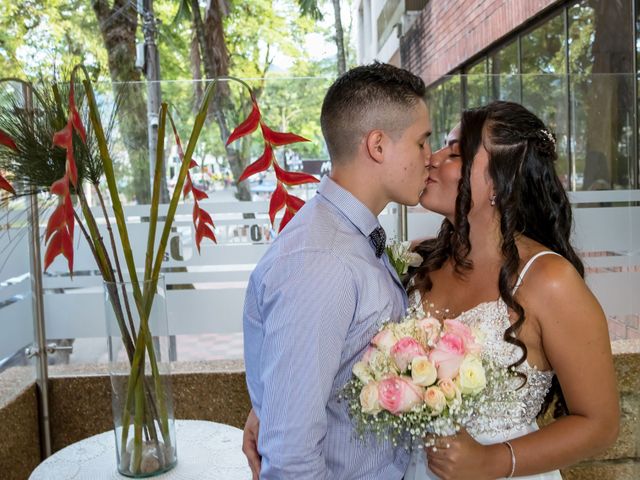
(498, 166)
(508, 158)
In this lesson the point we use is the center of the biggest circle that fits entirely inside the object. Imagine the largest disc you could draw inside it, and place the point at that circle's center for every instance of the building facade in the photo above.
(572, 62)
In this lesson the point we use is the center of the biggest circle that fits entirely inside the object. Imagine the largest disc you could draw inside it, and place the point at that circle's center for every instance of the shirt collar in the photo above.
(352, 208)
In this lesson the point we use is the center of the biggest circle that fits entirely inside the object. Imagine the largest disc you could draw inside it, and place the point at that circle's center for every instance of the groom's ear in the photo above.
(375, 143)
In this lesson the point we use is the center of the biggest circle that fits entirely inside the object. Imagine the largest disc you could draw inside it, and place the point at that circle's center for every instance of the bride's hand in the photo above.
(460, 457)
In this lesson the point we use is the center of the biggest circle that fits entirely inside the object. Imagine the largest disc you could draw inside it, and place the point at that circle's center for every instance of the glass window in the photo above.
(505, 78)
(477, 85)
(602, 120)
(544, 82)
(445, 107)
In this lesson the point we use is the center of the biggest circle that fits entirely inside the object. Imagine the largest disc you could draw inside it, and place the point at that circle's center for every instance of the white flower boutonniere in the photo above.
(401, 257)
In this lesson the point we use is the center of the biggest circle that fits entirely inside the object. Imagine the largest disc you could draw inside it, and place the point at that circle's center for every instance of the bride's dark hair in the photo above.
(529, 197)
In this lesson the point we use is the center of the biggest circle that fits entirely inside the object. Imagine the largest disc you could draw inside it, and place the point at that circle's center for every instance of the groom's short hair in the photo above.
(369, 97)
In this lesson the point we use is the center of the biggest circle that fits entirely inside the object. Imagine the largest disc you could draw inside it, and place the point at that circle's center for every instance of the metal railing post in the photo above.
(40, 352)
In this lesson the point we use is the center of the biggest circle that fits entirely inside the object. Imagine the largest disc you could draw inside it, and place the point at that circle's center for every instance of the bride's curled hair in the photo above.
(530, 199)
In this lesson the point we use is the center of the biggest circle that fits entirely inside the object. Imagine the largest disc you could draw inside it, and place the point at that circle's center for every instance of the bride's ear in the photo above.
(375, 145)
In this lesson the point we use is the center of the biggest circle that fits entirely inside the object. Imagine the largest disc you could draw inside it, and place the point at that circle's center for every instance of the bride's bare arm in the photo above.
(576, 343)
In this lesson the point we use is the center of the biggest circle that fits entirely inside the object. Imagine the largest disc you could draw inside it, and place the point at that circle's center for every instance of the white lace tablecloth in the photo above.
(206, 450)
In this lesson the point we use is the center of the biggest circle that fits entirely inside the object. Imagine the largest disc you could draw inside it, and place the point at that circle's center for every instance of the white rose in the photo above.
(435, 400)
(423, 372)
(472, 376)
(369, 399)
(363, 372)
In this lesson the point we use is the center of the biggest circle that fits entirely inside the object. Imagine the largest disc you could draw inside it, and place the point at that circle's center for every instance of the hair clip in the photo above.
(549, 136)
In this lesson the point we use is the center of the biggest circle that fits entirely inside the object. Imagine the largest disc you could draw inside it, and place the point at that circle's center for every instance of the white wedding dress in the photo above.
(491, 319)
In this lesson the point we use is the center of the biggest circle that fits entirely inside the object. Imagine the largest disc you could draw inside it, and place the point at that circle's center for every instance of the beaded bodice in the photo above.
(489, 320)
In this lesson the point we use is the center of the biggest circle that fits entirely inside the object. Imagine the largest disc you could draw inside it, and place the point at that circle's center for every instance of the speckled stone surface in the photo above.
(624, 470)
(622, 460)
(19, 430)
(80, 406)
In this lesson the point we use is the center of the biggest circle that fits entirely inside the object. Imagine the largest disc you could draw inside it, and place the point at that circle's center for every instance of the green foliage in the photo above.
(41, 38)
(37, 163)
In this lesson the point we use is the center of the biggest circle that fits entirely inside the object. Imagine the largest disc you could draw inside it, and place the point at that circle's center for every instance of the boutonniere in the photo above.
(401, 257)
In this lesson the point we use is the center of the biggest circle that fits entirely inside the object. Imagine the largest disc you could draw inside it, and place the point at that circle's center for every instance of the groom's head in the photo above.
(378, 96)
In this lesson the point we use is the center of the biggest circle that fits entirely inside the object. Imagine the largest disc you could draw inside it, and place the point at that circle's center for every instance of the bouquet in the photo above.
(423, 377)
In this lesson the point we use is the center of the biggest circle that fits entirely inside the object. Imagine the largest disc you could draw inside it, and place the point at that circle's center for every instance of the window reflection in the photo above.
(575, 70)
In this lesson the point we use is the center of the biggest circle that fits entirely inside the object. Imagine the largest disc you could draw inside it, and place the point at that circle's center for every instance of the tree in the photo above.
(118, 25)
(312, 9)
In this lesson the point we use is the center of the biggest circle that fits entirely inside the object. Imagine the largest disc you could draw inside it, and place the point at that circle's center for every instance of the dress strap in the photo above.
(528, 265)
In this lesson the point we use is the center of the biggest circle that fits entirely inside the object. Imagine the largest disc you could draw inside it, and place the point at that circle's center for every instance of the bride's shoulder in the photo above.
(550, 273)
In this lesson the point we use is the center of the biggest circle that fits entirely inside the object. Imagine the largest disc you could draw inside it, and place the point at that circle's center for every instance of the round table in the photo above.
(206, 450)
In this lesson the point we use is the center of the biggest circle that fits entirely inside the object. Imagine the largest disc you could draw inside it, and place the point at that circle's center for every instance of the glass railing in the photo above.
(206, 290)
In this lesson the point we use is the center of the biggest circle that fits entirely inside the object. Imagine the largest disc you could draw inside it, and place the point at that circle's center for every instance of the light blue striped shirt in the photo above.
(313, 303)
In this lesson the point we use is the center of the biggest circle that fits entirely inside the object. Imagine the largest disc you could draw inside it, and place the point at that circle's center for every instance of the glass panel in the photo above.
(477, 85)
(16, 318)
(505, 82)
(544, 85)
(445, 106)
(603, 114)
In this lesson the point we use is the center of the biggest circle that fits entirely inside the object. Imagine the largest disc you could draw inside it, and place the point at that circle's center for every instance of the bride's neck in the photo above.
(485, 239)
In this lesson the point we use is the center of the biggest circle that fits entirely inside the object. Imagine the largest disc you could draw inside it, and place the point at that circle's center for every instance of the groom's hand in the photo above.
(250, 443)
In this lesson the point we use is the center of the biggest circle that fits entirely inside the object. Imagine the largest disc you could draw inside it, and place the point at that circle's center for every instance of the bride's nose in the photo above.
(436, 158)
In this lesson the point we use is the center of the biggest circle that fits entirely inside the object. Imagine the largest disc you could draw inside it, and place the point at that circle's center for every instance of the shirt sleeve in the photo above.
(308, 304)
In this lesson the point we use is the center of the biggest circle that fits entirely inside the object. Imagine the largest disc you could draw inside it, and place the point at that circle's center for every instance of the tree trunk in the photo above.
(609, 96)
(118, 25)
(342, 59)
(215, 59)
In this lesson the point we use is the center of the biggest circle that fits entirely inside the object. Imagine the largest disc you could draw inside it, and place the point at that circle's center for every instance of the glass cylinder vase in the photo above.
(139, 366)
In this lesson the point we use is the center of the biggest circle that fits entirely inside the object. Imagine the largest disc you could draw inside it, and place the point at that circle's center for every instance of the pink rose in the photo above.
(448, 355)
(384, 340)
(431, 327)
(404, 351)
(399, 394)
(464, 332)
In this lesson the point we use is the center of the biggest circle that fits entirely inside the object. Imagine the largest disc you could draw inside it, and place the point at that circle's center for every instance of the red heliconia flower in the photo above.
(286, 218)
(203, 224)
(5, 185)
(60, 227)
(293, 178)
(278, 139)
(294, 203)
(278, 201)
(280, 198)
(64, 139)
(249, 124)
(260, 165)
(60, 244)
(7, 141)
(74, 116)
(202, 221)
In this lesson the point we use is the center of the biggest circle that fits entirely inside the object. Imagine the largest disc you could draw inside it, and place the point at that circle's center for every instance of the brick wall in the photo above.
(449, 32)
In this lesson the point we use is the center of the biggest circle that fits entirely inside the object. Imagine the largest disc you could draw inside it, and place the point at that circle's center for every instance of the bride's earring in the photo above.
(492, 200)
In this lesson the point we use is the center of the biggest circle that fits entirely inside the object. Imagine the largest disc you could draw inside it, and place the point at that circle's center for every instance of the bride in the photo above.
(503, 264)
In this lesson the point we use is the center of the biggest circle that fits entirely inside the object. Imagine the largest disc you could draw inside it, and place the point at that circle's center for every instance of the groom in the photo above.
(319, 294)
